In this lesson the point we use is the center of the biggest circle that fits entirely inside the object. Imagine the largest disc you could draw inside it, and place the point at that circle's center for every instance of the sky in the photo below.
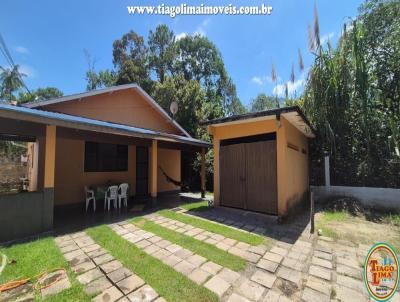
(48, 38)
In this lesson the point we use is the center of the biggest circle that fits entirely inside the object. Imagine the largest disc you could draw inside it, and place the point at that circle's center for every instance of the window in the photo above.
(101, 157)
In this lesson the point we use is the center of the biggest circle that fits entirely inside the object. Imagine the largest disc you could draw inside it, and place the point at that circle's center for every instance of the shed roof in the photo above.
(82, 123)
(293, 114)
(78, 96)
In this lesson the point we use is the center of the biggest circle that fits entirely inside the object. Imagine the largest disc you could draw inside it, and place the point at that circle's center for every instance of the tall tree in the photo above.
(130, 58)
(162, 50)
(10, 82)
(262, 102)
(39, 95)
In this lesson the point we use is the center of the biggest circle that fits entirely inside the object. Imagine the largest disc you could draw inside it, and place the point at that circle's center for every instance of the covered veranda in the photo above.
(58, 170)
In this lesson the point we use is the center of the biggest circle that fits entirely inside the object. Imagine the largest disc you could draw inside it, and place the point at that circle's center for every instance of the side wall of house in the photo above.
(297, 174)
(170, 161)
(127, 107)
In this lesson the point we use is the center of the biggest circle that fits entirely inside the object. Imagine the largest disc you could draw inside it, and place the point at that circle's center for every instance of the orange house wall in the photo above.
(70, 177)
(123, 107)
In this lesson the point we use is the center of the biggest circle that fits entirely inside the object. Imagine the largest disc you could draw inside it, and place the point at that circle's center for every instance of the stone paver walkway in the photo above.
(232, 246)
(100, 273)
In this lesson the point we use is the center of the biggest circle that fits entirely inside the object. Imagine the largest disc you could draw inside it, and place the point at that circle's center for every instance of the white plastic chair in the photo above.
(111, 194)
(89, 195)
(123, 194)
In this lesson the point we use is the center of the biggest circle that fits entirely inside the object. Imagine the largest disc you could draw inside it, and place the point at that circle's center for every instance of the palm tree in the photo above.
(10, 81)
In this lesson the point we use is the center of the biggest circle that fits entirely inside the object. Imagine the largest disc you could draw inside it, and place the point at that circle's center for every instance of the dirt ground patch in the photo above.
(346, 219)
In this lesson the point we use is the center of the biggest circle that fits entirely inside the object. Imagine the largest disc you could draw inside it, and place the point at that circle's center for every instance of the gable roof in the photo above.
(293, 114)
(83, 123)
(82, 95)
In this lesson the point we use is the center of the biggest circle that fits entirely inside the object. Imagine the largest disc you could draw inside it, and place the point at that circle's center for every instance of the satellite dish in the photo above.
(173, 107)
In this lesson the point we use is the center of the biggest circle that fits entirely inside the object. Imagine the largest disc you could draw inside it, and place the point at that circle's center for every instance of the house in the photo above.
(261, 160)
(112, 135)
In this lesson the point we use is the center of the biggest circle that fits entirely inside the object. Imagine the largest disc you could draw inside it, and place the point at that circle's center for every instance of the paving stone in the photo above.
(84, 241)
(251, 290)
(77, 235)
(199, 276)
(155, 239)
(242, 245)
(320, 272)
(196, 260)
(322, 262)
(211, 241)
(119, 274)
(229, 241)
(223, 246)
(272, 296)
(351, 262)
(211, 267)
(350, 283)
(184, 267)
(103, 259)
(109, 295)
(143, 294)
(237, 251)
(171, 260)
(96, 253)
(61, 244)
(69, 248)
(217, 237)
(289, 275)
(296, 255)
(143, 243)
(319, 285)
(237, 298)
(130, 284)
(259, 249)
(217, 285)
(322, 255)
(89, 276)
(159, 299)
(251, 257)
(134, 239)
(56, 287)
(97, 286)
(151, 249)
(323, 248)
(183, 253)
(79, 259)
(345, 294)
(310, 295)
(349, 271)
(111, 266)
(83, 267)
(280, 251)
(324, 238)
(161, 254)
(200, 237)
(91, 248)
(267, 265)
(173, 248)
(273, 257)
(180, 230)
(228, 275)
(264, 278)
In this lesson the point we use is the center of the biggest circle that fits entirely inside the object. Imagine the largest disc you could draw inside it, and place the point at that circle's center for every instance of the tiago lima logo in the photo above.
(381, 272)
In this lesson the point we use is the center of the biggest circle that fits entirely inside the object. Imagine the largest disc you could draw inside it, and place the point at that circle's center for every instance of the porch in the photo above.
(67, 153)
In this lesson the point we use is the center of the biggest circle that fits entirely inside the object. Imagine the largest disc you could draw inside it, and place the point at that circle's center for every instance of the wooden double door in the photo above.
(248, 177)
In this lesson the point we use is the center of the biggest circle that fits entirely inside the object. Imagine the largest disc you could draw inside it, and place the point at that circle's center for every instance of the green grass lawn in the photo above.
(204, 249)
(168, 283)
(33, 258)
(226, 231)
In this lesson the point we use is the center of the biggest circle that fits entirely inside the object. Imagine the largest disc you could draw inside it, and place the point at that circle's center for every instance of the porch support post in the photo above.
(203, 172)
(154, 168)
(49, 174)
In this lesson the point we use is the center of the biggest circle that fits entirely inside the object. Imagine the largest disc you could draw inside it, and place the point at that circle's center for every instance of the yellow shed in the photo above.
(261, 160)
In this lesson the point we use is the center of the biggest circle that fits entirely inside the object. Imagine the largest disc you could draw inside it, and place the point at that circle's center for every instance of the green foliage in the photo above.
(10, 82)
(352, 97)
(39, 95)
(262, 102)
